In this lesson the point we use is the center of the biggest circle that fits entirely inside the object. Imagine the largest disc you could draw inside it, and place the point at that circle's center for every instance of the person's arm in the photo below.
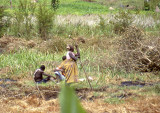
(73, 57)
(48, 75)
(58, 70)
(78, 53)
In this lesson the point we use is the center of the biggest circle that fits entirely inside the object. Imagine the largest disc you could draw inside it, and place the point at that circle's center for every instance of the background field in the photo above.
(119, 48)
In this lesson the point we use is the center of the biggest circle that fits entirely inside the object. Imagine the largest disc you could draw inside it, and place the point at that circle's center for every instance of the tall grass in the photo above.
(24, 61)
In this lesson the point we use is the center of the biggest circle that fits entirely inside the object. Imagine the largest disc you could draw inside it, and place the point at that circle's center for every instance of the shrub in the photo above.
(55, 4)
(1, 21)
(121, 21)
(103, 27)
(23, 25)
(146, 6)
(44, 20)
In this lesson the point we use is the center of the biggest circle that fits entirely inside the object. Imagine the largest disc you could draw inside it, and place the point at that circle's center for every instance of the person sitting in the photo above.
(59, 71)
(38, 75)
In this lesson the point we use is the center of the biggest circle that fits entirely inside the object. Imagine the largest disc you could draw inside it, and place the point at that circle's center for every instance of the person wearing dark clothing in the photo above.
(38, 75)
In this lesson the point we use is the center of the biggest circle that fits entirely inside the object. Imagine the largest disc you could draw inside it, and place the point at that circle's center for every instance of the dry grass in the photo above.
(30, 105)
(147, 105)
(138, 51)
(93, 20)
(36, 105)
(11, 44)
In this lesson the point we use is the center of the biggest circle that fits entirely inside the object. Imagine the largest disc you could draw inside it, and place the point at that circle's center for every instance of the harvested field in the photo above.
(19, 98)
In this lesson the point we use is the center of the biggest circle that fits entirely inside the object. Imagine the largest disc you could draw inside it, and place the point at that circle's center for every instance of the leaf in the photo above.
(69, 102)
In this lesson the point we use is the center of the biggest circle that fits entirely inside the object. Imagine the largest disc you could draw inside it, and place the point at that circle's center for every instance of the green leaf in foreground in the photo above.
(69, 101)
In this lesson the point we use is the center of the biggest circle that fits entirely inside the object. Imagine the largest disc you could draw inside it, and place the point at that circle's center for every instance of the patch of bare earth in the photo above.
(24, 99)
(11, 44)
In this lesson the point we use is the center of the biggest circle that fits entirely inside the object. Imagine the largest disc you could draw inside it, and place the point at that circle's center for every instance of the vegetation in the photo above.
(44, 17)
(119, 46)
(24, 61)
(1, 21)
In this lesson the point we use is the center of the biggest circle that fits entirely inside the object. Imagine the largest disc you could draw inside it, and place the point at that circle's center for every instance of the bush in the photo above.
(121, 21)
(23, 25)
(55, 4)
(103, 27)
(44, 20)
(146, 6)
(1, 21)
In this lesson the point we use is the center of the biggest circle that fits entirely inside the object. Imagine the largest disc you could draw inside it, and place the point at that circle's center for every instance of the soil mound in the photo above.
(11, 44)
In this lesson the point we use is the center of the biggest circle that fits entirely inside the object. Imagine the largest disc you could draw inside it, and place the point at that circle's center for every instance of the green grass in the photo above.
(24, 60)
(113, 100)
(82, 8)
(77, 7)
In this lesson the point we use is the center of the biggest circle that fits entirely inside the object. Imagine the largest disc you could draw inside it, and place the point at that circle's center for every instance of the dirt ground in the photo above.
(16, 98)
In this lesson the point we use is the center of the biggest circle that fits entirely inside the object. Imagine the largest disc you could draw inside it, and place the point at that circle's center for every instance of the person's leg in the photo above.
(46, 79)
(39, 82)
(61, 77)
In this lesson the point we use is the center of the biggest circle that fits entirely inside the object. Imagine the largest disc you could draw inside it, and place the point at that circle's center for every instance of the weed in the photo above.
(113, 100)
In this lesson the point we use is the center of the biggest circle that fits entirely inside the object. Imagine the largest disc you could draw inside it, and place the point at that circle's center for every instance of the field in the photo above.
(119, 47)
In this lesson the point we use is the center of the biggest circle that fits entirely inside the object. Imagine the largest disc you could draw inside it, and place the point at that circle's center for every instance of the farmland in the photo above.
(119, 47)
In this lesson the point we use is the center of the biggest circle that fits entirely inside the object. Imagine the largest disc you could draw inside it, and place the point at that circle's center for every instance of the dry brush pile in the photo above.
(138, 51)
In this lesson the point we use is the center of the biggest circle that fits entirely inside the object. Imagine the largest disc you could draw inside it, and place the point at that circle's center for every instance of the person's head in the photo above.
(42, 67)
(64, 58)
(70, 48)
